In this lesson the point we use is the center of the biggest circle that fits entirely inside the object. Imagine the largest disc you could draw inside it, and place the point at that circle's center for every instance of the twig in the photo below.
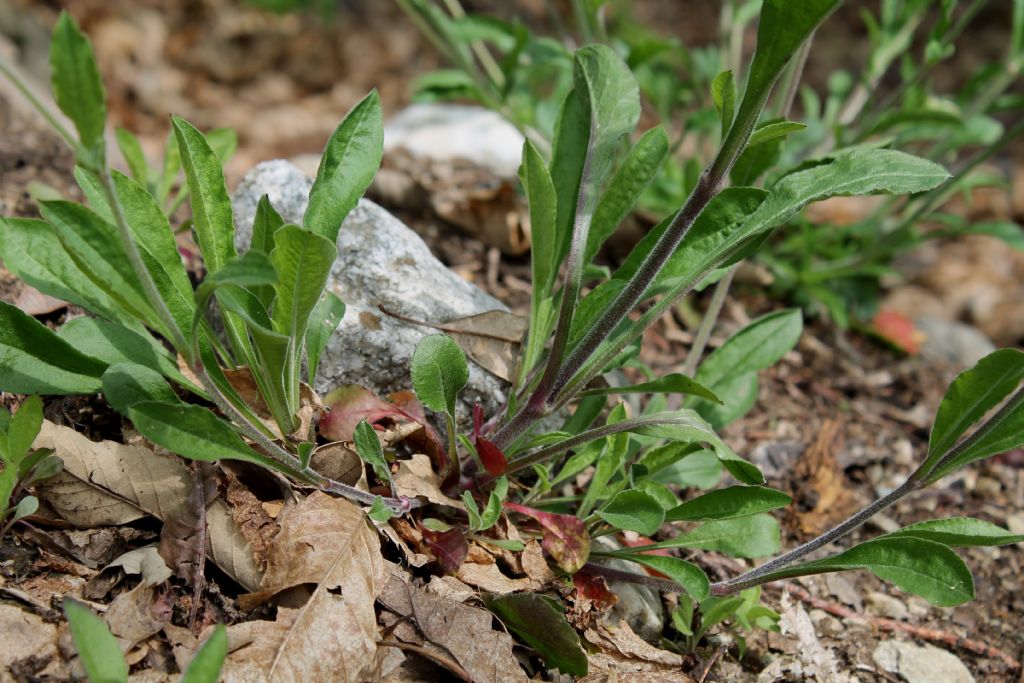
(436, 657)
(924, 633)
(715, 656)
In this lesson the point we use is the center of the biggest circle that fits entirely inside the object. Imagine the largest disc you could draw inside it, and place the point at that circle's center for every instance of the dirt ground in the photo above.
(839, 421)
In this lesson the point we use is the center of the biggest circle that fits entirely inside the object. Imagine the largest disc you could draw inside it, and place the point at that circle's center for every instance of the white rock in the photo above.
(887, 606)
(921, 663)
(953, 342)
(381, 264)
(443, 132)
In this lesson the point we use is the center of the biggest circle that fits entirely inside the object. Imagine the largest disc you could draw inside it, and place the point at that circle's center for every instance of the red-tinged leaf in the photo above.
(898, 330)
(594, 588)
(491, 456)
(349, 405)
(633, 541)
(478, 420)
(449, 547)
(565, 537)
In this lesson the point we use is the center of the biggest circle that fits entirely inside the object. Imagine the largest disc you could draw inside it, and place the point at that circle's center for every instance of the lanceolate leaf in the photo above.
(540, 622)
(194, 432)
(31, 250)
(303, 260)
(1003, 435)
(728, 503)
(349, 163)
(211, 207)
(972, 394)
(916, 565)
(323, 322)
(133, 154)
(126, 384)
(76, 83)
(112, 343)
(755, 536)
(959, 532)
(541, 193)
(439, 372)
(686, 574)
(674, 383)
(625, 187)
(206, 665)
(34, 360)
(97, 647)
(369, 448)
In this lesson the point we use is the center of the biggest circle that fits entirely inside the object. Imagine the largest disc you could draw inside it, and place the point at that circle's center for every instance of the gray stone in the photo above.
(381, 264)
(953, 342)
(444, 132)
(887, 606)
(921, 663)
(639, 606)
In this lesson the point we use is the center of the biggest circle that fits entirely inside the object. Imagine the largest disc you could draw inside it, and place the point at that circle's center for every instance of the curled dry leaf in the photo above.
(109, 483)
(144, 562)
(625, 654)
(490, 578)
(310, 407)
(416, 477)
(460, 631)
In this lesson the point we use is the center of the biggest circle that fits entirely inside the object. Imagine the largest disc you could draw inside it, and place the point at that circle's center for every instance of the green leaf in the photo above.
(323, 322)
(25, 507)
(370, 450)
(727, 370)
(723, 94)
(783, 27)
(688, 427)
(211, 207)
(674, 383)
(701, 470)
(973, 393)
(31, 250)
(492, 511)
(126, 384)
(568, 154)
(23, 428)
(610, 463)
(113, 343)
(209, 659)
(1003, 435)
(439, 372)
(540, 622)
(771, 131)
(97, 647)
(543, 212)
(33, 359)
(729, 503)
(265, 225)
(634, 511)
(97, 250)
(915, 565)
(223, 142)
(303, 260)
(754, 536)
(193, 432)
(714, 611)
(625, 187)
(347, 167)
(688, 575)
(379, 511)
(133, 155)
(959, 532)
(76, 83)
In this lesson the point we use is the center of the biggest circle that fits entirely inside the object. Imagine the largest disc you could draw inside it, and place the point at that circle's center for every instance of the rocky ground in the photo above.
(839, 421)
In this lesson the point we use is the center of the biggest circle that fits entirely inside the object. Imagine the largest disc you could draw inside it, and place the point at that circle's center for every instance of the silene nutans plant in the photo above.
(151, 348)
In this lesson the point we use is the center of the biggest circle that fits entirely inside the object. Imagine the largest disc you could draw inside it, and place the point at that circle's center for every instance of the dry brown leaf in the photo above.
(25, 635)
(536, 567)
(32, 301)
(489, 578)
(132, 618)
(461, 631)
(145, 562)
(324, 541)
(416, 477)
(625, 653)
(109, 483)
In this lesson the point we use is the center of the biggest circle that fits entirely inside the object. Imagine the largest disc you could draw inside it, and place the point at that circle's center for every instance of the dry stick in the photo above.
(936, 635)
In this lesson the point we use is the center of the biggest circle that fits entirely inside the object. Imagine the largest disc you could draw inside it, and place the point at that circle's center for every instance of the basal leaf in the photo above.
(540, 622)
(323, 321)
(76, 83)
(22, 430)
(439, 372)
(540, 191)
(633, 511)
(729, 503)
(369, 448)
(211, 207)
(34, 360)
(112, 343)
(133, 155)
(125, 384)
(265, 225)
(303, 261)
(349, 163)
(565, 537)
(754, 536)
(97, 647)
